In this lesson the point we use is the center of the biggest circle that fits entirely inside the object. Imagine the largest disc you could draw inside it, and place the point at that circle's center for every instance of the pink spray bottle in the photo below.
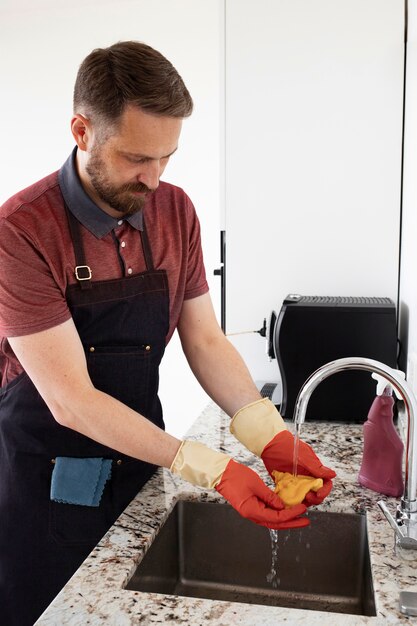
(383, 448)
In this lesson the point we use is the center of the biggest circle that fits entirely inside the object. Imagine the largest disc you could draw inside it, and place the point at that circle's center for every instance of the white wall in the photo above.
(408, 291)
(42, 44)
(313, 155)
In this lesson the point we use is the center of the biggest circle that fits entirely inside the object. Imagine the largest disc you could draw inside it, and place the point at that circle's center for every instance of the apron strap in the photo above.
(82, 271)
(147, 252)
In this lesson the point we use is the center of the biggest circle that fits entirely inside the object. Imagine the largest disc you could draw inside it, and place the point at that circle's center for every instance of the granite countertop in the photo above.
(95, 595)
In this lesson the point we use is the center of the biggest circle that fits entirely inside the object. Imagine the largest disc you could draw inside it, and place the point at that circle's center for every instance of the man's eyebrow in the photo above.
(136, 155)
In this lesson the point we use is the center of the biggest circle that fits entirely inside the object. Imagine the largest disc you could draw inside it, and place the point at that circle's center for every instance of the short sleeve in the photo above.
(31, 300)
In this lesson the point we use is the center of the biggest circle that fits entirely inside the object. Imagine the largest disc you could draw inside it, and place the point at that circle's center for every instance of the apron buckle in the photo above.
(83, 272)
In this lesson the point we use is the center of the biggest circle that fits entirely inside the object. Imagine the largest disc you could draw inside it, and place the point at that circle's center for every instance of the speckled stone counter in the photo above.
(95, 595)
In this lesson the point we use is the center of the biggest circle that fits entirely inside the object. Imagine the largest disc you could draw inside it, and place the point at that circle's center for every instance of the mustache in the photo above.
(136, 187)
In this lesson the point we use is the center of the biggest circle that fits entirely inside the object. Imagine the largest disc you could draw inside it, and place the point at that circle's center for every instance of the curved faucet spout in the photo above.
(408, 506)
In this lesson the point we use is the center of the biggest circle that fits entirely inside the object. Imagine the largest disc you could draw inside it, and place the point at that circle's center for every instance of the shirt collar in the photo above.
(83, 208)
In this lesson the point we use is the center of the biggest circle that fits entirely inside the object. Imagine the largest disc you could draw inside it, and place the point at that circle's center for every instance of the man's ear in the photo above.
(81, 131)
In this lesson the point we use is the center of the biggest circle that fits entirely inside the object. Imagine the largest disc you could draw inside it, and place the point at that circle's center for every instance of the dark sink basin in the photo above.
(207, 550)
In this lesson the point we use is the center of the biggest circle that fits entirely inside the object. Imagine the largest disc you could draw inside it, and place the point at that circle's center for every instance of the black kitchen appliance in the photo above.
(313, 330)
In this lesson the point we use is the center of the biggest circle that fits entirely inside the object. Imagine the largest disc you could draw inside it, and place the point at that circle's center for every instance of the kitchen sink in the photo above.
(207, 550)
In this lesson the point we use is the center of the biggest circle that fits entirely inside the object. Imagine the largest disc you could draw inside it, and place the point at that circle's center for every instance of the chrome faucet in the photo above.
(405, 522)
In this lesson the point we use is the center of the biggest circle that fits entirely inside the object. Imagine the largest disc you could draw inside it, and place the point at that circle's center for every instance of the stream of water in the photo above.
(273, 576)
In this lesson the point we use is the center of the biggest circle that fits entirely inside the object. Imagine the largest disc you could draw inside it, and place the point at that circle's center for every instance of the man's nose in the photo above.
(150, 173)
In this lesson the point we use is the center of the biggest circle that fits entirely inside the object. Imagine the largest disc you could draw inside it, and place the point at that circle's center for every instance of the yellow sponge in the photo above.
(293, 489)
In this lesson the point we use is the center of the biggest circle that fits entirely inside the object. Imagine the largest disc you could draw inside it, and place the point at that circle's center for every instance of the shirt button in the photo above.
(120, 222)
(123, 244)
(129, 271)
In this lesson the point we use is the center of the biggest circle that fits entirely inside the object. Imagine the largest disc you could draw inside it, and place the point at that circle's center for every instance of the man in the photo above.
(100, 262)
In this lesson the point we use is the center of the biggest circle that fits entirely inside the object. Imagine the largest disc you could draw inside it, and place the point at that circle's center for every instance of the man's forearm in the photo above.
(110, 422)
(54, 359)
(222, 373)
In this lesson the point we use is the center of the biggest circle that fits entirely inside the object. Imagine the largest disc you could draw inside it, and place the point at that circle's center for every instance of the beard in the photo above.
(118, 197)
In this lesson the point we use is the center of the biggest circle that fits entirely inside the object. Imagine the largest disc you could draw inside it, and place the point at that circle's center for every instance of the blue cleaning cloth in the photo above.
(79, 481)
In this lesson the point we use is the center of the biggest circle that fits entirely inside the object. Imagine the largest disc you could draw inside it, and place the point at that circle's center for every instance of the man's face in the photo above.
(126, 166)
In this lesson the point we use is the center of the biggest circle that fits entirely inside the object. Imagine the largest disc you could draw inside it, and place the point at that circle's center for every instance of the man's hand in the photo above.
(278, 454)
(240, 485)
(262, 430)
(249, 495)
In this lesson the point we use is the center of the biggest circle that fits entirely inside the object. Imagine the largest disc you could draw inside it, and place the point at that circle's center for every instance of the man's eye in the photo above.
(136, 161)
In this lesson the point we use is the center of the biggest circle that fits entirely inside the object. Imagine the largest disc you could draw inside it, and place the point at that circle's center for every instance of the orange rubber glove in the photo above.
(278, 455)
(249, 495)
(239, 484)
(262, 430)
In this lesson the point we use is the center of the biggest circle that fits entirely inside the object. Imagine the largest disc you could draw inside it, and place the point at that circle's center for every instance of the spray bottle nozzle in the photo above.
(383, 388)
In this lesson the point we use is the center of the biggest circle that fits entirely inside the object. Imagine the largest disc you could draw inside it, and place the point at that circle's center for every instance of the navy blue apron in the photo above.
(123, 325)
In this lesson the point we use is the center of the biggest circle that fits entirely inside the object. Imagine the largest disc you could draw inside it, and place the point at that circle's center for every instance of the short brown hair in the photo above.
(129, 72)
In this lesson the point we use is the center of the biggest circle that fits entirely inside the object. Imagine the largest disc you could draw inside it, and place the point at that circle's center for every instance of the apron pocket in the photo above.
(110, 367)
(79, 481)
(77, 524)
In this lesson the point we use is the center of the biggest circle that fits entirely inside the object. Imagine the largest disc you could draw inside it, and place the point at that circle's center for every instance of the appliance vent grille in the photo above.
(338, 300)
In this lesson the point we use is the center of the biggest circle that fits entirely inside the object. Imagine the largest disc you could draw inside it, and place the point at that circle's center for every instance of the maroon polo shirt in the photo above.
(37, 256)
